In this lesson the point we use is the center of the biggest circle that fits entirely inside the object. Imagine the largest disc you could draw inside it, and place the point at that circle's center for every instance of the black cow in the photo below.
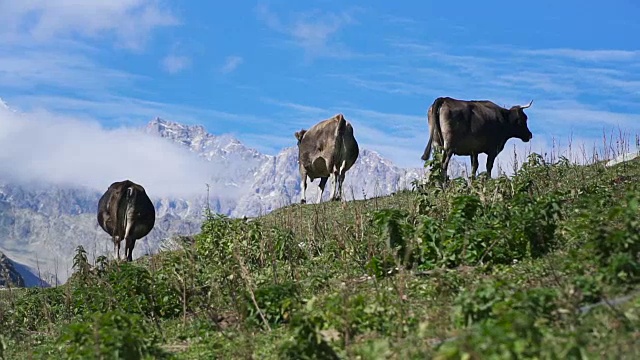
(464, 127)
(126, 212)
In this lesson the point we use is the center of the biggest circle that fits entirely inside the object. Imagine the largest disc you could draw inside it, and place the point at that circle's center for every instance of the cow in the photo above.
(126, 212)
(328, 149)
(470, 127)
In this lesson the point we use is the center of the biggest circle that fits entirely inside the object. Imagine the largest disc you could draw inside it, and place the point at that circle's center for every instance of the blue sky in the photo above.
(262, 70)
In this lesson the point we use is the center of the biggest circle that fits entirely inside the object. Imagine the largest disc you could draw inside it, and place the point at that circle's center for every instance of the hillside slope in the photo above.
(541, 265)
(41, 223)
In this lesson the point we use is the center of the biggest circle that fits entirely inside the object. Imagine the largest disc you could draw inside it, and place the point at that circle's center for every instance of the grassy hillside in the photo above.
(501, 268)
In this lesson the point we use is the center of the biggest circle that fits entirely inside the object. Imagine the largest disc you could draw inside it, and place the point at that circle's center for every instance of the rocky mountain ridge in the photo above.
(9, 276)
(42, 224)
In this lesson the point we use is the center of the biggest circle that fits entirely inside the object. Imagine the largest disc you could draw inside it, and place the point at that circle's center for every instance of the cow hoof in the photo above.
(303, 201)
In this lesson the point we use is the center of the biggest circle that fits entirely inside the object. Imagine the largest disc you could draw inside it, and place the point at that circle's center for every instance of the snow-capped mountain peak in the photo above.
(46, 224)
(198, 140)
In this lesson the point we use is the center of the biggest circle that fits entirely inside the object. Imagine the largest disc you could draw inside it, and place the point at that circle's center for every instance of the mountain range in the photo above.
(42, 223)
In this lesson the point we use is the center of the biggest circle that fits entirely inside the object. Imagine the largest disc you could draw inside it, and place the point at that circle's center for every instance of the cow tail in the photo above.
(435, 130)
(339, 141)
(427, 150)
(121, 213)
(131, 203)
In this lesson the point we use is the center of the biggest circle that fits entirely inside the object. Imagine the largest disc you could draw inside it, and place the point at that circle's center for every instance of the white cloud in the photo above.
(42, 146)
(602, 92)
(53, 43)
(493, 72)
(231, 64)
(132, 111)
(67, 70)
(174, 63)
(130, 22)
(398, 137)
(313, 31)
(316, 32)
(588, 55)
(402, 137)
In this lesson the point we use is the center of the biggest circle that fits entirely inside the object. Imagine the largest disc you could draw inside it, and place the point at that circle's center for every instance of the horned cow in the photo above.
(328, 149)
(470, 127)
(126, 212)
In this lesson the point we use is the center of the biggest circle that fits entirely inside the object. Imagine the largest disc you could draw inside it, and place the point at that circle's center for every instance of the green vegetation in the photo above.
(494, 269)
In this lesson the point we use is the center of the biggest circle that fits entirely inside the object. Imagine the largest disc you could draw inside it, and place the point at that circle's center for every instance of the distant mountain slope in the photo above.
(9, 276)
(270, 181)
(277, 182)
(42, 224)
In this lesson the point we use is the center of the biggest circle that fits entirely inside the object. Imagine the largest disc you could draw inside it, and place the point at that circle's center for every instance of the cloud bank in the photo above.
(40, 145)
(231, 64)
(129, 21)
(175, 63)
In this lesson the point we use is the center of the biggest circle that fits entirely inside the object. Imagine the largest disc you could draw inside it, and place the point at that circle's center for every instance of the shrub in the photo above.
(473, 233)
(616, 243)
(514, 335)
(493, 298)
(476, 306)
(276, 301)
(35, 310)
(122, 286)
(394, 235)
(306, 341)
(126, 286)
(112, 335)
(589, 288)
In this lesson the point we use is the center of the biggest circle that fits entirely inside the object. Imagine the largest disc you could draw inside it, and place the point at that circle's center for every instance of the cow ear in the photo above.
(300, 134)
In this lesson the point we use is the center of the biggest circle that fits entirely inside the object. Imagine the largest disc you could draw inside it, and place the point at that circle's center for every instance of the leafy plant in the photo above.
(616, 243)
(113, 335)
(275, 301)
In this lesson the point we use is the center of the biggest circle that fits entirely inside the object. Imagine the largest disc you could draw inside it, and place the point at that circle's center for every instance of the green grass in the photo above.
(499, 268)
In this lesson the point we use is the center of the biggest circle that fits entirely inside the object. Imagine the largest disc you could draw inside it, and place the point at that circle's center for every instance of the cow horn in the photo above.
(528, 105)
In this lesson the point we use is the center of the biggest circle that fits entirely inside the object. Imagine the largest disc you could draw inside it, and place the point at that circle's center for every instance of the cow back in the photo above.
(145, 212)
(113, 206)
(350, 150)
(472, 126)
(318, 142)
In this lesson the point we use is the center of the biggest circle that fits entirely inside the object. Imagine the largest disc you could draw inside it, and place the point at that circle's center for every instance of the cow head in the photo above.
(299, 135)
(518, 119)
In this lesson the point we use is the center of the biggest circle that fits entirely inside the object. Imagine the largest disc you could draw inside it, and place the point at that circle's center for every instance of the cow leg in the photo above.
(474, 165)
(491, 157)
(323, 183)
(340, 179)
(116, 246)
(334, 185)
(128, 250)
(339, 190)
(303, 185)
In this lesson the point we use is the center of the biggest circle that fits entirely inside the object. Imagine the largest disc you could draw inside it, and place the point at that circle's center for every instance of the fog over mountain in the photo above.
(54, 169)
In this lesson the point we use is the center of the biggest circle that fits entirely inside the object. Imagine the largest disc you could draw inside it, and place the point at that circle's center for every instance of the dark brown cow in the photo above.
(327, 149)
(472, 127)
(126, 212)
